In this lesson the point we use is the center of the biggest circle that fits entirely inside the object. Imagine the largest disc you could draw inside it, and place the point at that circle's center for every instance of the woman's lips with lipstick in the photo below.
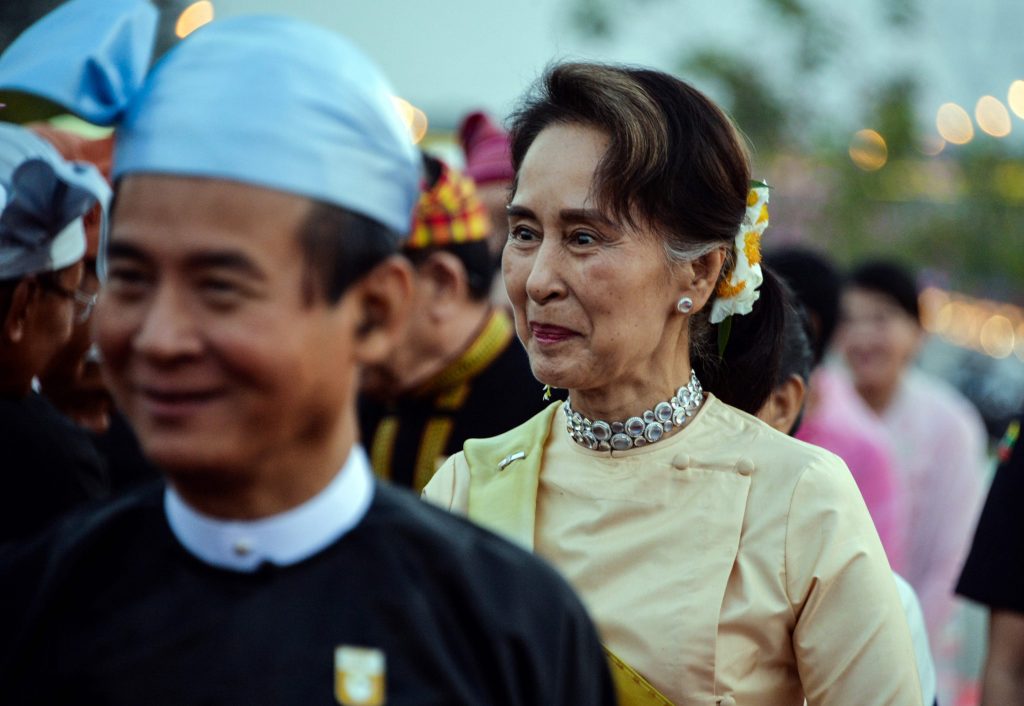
(548, 333)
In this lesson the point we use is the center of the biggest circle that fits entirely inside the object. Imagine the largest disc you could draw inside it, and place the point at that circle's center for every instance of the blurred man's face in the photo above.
(877, 337)
(72, 380)
(212, 345)
(419, 341)
(52, 316)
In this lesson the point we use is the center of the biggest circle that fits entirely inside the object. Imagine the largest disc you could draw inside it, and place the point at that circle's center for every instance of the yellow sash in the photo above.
(630, 686)
(504, 474)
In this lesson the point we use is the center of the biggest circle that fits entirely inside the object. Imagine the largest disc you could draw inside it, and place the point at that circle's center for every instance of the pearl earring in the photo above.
(684, 305)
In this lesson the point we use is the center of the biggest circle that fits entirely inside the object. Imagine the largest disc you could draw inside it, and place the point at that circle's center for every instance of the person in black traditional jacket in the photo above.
(250, 274)
(459, 372)
(49, 465)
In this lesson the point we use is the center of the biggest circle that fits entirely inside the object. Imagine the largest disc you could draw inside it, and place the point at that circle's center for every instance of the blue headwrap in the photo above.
(269, 101)
(43, 198)
(88, 57)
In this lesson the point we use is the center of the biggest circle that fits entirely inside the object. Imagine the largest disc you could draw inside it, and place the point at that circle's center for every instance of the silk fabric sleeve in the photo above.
(449, 488)
(851, 640)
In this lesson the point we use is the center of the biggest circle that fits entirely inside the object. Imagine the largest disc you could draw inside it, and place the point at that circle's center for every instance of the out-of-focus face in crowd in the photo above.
(878, 338)
(54, 312)
(73, 380)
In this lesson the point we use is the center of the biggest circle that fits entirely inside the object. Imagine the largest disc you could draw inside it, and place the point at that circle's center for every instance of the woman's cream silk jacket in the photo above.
(728, 564)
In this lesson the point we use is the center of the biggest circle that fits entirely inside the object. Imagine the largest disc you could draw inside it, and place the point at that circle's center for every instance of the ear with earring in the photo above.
(684, 305)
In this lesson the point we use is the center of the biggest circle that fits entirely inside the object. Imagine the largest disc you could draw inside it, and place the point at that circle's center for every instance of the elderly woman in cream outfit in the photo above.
(723, 562)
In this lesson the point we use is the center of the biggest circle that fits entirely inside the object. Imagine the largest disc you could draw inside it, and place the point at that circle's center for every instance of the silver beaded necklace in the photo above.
(648, 428)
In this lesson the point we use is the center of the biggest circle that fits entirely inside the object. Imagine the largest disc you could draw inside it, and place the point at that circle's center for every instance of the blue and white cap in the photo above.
(43, 198)
(264, 100)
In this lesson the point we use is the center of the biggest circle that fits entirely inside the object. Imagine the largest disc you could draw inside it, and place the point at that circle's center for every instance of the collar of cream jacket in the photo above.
(506, 469)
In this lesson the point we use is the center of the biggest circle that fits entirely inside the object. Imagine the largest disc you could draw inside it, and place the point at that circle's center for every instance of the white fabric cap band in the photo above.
(68, 246)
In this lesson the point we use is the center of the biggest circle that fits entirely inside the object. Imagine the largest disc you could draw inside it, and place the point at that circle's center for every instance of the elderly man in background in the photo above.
(49, 464)
(73, 381)
(459, 372)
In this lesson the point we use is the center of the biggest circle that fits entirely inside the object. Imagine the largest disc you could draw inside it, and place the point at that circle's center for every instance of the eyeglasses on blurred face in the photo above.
(84, 301)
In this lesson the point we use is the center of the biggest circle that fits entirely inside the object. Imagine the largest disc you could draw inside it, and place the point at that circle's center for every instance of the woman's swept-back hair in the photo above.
(675, 162)
(675, 165)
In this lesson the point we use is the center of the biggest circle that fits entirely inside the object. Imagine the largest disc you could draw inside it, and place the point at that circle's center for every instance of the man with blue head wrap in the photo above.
(264, 182)
(49, 466)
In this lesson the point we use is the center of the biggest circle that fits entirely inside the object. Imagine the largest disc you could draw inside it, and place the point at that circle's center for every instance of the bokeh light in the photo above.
(958, 330)
(931, 145)
(992, 116)
(990, 327)
(193, 17)
(414, 118)
(997, 336)
(419, 125)
(942, 320)
(1016, 98)
(954, 124)
(868, 150)
(934, 304)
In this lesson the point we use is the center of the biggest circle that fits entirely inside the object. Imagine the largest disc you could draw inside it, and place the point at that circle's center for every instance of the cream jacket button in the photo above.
(744, 466)
(681, 462)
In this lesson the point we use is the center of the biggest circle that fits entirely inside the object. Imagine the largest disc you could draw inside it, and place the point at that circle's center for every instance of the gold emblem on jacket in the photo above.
(358, 676)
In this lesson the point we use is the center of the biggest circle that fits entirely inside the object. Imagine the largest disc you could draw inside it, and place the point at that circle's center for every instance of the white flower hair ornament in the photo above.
(738, 290)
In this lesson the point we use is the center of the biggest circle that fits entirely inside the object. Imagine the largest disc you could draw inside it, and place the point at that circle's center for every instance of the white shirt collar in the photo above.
(283, 539)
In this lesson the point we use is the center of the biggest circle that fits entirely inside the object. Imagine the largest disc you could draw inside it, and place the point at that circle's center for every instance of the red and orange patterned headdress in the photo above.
(448, 213)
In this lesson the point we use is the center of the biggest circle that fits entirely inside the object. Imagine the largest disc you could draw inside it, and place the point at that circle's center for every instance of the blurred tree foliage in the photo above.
(960, 214)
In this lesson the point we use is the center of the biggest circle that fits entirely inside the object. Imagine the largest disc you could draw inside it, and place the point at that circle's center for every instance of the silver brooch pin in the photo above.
(511, 458)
